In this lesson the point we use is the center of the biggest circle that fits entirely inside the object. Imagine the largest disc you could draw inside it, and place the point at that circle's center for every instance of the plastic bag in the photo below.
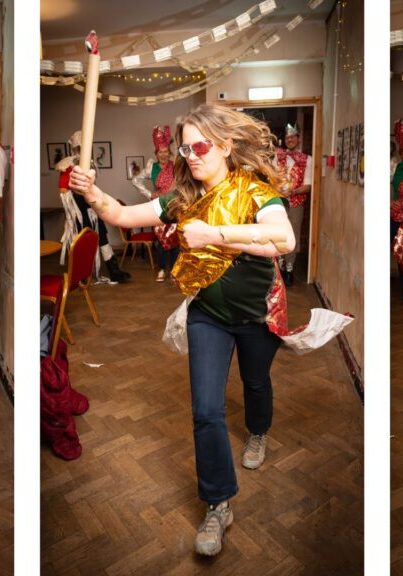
(322, 327)
(175, 335)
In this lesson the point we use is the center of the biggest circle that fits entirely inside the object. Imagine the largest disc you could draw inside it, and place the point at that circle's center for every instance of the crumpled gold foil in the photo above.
(235, 200)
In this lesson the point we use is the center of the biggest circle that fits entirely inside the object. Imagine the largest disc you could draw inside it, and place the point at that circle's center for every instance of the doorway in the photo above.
(307, 114)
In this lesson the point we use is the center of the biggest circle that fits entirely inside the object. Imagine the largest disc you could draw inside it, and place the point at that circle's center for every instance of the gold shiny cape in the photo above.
(235, 200)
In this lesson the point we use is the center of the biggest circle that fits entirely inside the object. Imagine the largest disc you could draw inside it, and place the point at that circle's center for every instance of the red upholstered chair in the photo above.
(79, 273)
(58, 312)
(130, 239)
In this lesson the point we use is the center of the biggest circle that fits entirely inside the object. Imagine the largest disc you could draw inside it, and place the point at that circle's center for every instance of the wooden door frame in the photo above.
(316, 103)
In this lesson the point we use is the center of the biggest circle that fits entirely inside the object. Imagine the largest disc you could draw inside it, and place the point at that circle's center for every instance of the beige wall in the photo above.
(341, 223)
(7, 225)
(294, 63)
(299, 80)
(127, 128)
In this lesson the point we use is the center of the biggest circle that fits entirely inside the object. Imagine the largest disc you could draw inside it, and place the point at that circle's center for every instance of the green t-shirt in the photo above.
(239, 295)
(155, 170)
(397, 179)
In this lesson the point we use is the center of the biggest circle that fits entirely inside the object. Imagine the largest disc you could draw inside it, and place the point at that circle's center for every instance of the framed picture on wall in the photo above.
(102, 154)
(134, 165)
(354, 149)
(346, 154)
(361, 156)
(339, 155)
(56, 152)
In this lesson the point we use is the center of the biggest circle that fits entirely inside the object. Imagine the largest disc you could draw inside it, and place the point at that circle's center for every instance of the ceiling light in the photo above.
(294, 23)
(266, 93)
(314, 4)
(267, 6)
(243, 20)
(130, 61)
(219, 33)
(191, 44)
(162, 54)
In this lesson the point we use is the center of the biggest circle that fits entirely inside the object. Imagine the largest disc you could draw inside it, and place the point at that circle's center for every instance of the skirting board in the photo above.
(7, 380)
(351, 363)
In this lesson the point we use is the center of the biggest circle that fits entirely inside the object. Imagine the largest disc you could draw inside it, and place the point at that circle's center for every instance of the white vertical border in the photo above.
(377, 292)
(26, 287)
(377, 300)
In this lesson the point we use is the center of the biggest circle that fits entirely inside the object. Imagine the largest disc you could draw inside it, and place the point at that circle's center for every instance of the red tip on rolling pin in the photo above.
(91, 42)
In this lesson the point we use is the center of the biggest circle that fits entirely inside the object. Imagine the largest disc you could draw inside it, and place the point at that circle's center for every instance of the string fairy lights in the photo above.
(350, 63)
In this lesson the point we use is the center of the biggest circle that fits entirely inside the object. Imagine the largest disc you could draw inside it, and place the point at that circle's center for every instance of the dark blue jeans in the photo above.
(211, 346)
(166, 257)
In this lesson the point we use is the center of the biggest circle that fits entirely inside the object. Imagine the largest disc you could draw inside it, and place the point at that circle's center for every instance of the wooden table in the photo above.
(50, 247)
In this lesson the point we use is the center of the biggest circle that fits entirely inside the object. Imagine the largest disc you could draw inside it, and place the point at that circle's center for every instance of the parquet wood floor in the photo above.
(128, 506)
(396, 429)
(6, 484)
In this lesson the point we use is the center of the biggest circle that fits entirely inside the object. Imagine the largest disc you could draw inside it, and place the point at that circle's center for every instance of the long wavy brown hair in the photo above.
(252, 147)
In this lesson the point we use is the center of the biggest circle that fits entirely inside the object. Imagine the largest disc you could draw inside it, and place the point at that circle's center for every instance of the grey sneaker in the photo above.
(211, 532)
(254, 451)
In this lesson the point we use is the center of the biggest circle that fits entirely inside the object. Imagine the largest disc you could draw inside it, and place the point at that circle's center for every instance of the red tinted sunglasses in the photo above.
(198, 148)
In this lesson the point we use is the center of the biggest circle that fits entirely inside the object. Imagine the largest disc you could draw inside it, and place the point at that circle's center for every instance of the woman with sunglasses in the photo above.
(231, 227)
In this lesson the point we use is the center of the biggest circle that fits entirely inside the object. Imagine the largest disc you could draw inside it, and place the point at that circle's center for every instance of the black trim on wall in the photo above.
(7, 381)
(349, 358)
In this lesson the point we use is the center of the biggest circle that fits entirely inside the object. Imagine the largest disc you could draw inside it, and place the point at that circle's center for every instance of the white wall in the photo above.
(127, 128)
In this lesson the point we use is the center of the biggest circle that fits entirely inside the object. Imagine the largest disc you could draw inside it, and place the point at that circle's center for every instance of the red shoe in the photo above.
(62, 439)
(78, 402)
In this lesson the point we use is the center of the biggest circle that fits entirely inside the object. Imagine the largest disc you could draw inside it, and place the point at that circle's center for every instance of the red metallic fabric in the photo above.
(398, 247)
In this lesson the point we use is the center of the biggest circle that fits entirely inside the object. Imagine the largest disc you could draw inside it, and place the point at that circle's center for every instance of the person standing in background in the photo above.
(396, 205)
(300, 172)
(79, 215)
(161, 174)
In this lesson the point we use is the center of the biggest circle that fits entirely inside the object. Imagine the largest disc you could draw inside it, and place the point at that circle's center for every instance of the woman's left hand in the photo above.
(198, 234)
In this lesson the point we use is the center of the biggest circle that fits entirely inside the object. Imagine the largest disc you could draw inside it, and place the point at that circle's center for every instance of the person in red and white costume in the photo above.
(396, 206)
(79, 214)
(159, 175)
(298, 166)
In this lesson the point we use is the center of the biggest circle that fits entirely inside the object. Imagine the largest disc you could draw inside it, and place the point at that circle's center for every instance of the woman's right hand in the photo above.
(83, 183)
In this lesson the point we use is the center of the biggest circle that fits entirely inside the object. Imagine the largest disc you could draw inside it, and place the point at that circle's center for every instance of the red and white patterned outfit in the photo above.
(300, 172)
